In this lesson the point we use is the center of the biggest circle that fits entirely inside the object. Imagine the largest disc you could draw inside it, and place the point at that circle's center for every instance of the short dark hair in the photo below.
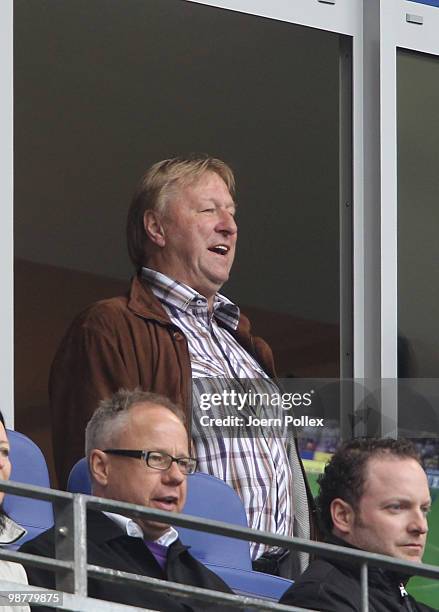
(345, 474)
(155, 187)
(2, 420)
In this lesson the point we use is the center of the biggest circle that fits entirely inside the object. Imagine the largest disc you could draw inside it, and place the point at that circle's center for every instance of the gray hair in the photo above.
(105, 425)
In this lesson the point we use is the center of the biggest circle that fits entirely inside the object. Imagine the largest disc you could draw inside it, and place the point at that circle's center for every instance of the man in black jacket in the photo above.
(374, 496)
(138, 452)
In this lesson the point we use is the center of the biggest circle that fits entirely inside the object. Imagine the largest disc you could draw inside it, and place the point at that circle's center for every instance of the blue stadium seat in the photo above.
(79, 478)
(211, 498)
(29, 467)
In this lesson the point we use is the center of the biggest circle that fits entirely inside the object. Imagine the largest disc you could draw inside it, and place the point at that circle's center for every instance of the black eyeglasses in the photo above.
(157, 460)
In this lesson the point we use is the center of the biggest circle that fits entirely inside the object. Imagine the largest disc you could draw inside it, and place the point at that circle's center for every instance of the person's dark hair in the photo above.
(156, 187)
(2, 420)
(345, 474)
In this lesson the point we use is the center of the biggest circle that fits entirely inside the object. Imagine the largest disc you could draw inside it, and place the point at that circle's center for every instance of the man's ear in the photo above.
(342, 515)
(99, 467)
(152, 223)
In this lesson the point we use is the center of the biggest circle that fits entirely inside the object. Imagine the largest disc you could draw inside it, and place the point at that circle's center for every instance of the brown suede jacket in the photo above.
(123, 342)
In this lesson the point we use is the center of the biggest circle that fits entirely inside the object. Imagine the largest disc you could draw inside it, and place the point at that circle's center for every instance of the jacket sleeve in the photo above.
(37, 576)
(89, 366)
(324, 597)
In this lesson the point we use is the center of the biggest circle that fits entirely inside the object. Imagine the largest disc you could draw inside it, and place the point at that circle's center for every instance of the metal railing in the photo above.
(72, 569)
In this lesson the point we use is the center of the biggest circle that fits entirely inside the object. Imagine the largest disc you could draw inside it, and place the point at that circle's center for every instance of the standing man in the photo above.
(374, 496)
(138, 452)
(175, 334)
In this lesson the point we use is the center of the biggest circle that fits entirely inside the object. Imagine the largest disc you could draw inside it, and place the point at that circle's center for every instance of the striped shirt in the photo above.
(257, 465)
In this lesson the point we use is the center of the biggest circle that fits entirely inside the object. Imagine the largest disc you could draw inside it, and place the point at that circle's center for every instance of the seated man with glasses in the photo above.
(138, 452)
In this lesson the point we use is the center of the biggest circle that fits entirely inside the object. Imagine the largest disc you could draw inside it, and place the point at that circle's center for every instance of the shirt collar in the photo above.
(133, 530)
(175, 294)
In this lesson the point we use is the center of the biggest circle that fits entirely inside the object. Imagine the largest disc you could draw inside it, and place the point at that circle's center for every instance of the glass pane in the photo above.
(103, 88)
(418, 214)
(418, 281)
(418, 247)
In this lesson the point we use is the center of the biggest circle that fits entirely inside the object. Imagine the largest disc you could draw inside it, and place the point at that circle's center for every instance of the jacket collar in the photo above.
(142, 301)
(105, 530)
(377, 575)
(11, 532)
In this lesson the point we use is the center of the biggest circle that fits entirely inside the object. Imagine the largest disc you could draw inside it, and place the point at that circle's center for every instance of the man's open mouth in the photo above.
(220, 249)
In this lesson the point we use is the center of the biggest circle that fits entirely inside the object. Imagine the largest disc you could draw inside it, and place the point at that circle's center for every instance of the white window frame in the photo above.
(398, 30)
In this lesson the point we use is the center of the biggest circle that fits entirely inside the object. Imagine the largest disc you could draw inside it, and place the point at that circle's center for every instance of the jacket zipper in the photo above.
(405, 598)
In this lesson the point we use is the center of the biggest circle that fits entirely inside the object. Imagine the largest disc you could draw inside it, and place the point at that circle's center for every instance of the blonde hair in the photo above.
(155, 187)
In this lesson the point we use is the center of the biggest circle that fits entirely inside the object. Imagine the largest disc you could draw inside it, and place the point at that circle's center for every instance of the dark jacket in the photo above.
(333, 585)
(108, 546)
(123, 342)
